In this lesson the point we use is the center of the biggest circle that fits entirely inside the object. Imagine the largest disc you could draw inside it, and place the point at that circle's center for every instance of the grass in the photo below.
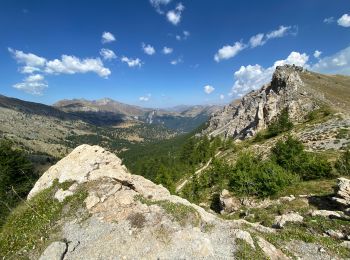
(182, 214)
(245, 251)
(31, 225)
(317, 187)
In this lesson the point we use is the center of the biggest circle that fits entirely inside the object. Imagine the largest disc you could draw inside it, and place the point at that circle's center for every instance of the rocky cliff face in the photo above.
(256, 110)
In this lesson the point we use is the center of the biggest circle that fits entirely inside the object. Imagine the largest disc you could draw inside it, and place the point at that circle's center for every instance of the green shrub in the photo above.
(343, 163)
(253, 177)
(290, 155)
(280, 125)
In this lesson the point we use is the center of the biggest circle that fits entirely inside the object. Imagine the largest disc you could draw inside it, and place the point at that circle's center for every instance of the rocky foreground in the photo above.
(126, 216)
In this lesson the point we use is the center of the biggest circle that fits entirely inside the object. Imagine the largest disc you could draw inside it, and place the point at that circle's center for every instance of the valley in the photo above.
(274, 166)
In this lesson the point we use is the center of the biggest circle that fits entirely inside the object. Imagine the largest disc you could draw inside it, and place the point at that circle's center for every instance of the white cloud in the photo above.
(174, 16)
(317, 54)
(28, 69)
(148, 49)
(145, 98)
(107, 37)
(253, 77)
(329, 20)
(176, 61)
(280, 32)
(208, 89)
(66, 65)
(339, 63)
(33, 84)
(132, 62)
(183, 36)
(158, 3)
(167, 50)
(295, 58)
(29, 59)
(222, 96)
(257, 40)
(107, 54)
(34, 78)
(344, 20)
(229, 51)
(72, 65)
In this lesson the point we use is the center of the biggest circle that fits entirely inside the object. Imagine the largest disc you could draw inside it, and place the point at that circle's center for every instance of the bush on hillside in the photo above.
(290, 155)
(280, 125)
(343, 163)
(253, 177)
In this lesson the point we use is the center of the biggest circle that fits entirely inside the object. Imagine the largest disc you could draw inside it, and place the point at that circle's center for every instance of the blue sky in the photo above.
(215, 50)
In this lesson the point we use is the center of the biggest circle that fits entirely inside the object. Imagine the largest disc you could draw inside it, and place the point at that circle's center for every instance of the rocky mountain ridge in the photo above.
(110, 112)
(292, 88)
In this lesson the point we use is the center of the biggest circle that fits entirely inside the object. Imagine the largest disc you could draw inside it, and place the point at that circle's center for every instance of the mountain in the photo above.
(109, 112)
(45, 130)
(292, 88)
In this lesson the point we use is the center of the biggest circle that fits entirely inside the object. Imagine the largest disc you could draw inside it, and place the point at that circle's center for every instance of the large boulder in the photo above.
(126, 216)
(228, 202)
(342, 191)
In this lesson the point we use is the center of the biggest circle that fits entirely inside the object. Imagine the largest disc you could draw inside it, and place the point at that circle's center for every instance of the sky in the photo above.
(163, 53)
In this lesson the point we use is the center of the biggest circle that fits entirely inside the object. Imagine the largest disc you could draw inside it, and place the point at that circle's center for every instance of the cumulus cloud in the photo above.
(229, 51)
(184, 36)
(33, 84)
(317, 54)
(176, 61)
(145, 98)
(72, 65)
(167, 50)
(158, 3)
(107, 54)
(148, 49)
(132, 62)
(107, 37)
(328, 20)
(338, 63)
(257, 40)
(280, 32)
(208, 89)
(222, 96)
(29, 59)
(252, 77)
(344, 20)
(174, 16)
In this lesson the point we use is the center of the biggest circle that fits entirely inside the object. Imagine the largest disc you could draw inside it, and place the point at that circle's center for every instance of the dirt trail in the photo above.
(198, 172)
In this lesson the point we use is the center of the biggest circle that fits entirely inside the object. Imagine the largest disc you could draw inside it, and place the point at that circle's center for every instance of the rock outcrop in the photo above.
(256, 110)
(130, 217)
(125, 216)
(343, 192)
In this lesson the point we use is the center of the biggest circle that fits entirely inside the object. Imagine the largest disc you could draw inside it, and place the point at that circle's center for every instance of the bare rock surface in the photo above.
(309, 251)
(343, 192)
(257, 109)
(55, 251)
(143, 219)
(280, 221)
(270, 250)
